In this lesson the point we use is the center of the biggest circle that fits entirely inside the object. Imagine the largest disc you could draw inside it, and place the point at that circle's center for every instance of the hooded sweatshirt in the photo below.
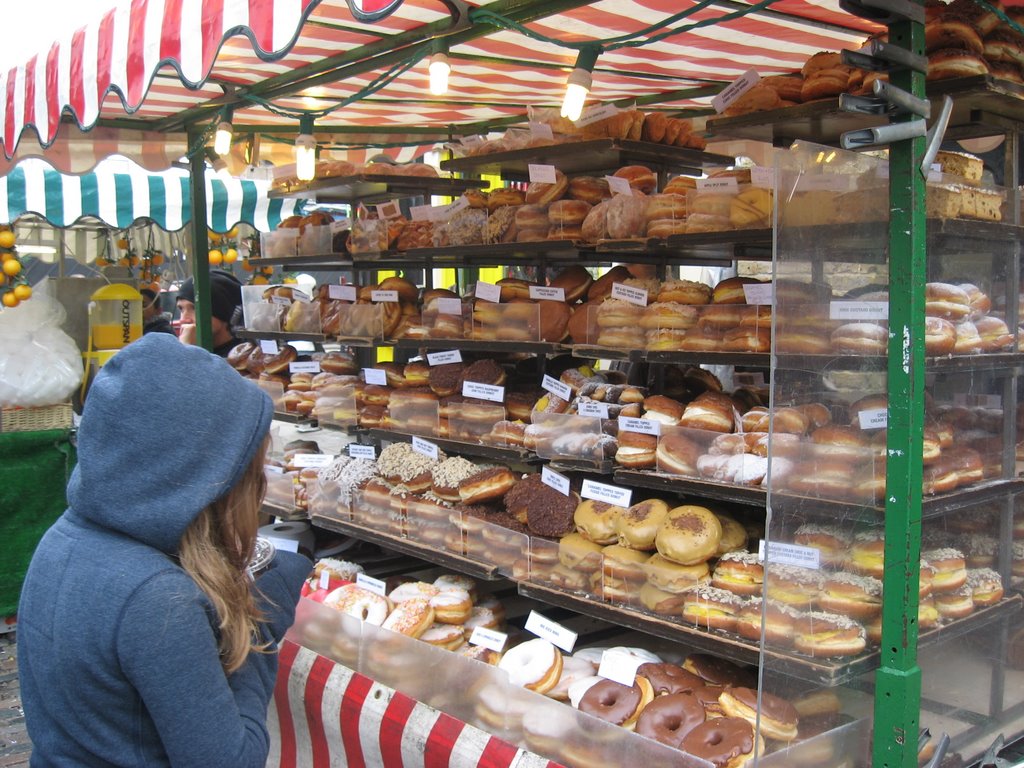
(117, 645)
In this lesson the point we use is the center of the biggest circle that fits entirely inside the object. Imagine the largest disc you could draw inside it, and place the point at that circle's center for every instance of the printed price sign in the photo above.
(341, 292)
(424, 447)
(325, 579)
(620, 497)
(735, 89)
(544, 292)
(491, 639)
(483, 391)
(555, 480)
(628, 293)
(375, 376)
(488, 292)
(555, 387)
(371, 584)
(451, 306)
(619, 666)
(268, 347)
(643, 426)
(592, 408)
(283, 300)
(304, 460)
(357, 451)
(727, 184)
(595, 114)
(384, 296)
(443, 358)
(619, 186)
(875, 418)
(542, 174)
(858, 310)
(304, 367)
(780, 553)
(551, 631)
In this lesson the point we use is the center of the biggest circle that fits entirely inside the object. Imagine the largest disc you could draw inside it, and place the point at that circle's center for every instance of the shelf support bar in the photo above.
(200, 244)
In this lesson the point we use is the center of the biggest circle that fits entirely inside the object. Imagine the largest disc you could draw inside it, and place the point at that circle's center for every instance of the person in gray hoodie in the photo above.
(142, 637)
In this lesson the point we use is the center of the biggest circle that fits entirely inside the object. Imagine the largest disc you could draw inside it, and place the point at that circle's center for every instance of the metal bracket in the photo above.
(865, 105)
(940, 752)
(879, 56)
(884, 11)
(935, 135)
(883, 134)
(903, 101)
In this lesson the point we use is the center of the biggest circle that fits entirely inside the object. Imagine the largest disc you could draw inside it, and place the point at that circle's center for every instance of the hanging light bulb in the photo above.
(222, 139)
(305, 151)
(439, 69)
(577, 85)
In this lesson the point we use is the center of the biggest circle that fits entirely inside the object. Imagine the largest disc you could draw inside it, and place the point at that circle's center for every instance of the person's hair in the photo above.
(216, 549)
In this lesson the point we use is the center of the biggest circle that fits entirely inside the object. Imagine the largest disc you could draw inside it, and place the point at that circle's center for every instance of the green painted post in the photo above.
(200, 246)
(898, 681)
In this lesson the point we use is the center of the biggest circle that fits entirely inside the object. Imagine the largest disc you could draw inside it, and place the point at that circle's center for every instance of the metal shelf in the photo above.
(279, 336)
(497, 453)
(378, 188)
(480, 345)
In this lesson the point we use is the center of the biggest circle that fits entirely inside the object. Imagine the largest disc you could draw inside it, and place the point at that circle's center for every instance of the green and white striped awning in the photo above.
(120, 199)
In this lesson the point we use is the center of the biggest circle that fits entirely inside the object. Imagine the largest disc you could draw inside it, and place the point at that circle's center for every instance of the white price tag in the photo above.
(762, 177)
(460, 203)
(759, 293)
(643, 426)
(620, 497)
(619, 667)
(451, 306)
(491, 639)
(619, 186)
(375, 376)
(594, 114)
(875, 418)
(304, 460)
(371, 584)
(302, 346)
(488, 292)
(424, 447)
(858, 310)
(555, 387)
(542, 174)
(286, 545)
(555, 480)
(541, 292)
(727, 185)
(268, 347)
(341, 292)
(541, 131)
(735, 89)
(630, 294)
(272, 469)
(383, 296)
(780, 553)
(357, 451)
(389, 210)
(443, 358)
(592, 408)
(483, 391)
(421, 212)
(304, 367)
(325, 579)
(282, 300)
(551, 631)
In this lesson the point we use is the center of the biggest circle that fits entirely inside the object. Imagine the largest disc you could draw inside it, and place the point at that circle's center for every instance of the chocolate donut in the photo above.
(716, 671)
(669, 719)
(446, 380)
(720, 740)
(484, 372)
(669, 679)
(611, 701)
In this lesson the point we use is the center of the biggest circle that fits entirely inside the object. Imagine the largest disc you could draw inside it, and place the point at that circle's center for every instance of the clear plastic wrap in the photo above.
(39, 363)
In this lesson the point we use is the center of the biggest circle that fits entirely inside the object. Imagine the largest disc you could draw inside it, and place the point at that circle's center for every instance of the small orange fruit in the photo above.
(158, 259)
(247, 266)
(12, 267)
(22, 291)
(10, 300)
(122, 243)
(259, 280)
(230, 256)
(6, 239)
(216, 257)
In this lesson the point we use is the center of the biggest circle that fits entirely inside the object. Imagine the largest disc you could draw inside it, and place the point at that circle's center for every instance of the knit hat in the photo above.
(225, 294)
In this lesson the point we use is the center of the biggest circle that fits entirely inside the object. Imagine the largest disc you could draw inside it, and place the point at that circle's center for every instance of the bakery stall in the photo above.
(573, 498)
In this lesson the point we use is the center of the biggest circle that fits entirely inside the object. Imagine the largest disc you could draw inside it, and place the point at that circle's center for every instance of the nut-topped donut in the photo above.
(617, 703)
(669, 719)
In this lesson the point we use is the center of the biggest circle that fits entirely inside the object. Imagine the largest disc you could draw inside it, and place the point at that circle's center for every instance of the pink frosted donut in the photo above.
(360, 603)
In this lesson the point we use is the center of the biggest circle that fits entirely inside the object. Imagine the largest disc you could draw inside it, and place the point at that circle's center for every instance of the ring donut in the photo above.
(360, 603)
(669, 719)
(723, 741)
(535, 665)
(617, 703)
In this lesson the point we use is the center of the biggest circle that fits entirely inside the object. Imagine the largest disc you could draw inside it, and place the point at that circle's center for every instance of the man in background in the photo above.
(154, 319)
(225, 300)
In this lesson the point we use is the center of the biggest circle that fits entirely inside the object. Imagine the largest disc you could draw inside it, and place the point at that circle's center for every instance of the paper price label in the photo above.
(490, 639)
(735, 89)
(544, 292)
(630, 294)
(268, 347)
(282, 300)
(555, 480)
(451, 306)
(727, 184)
(488, 292)
(382, 296)
(780, 553)
(286, 545)
(763, 293)
(357, 451)
(443, 358)
(421, 212)
(643, 426)
(375, 376)
(542, 174)
(305, 460)
(555, 387)
(858, 310)
(875, 418)
(600, 492)
(619, 667)
(325, 579)
(304, 367)
(461, 203)
(341, 292)
(762, 177)
(371, 584)
(483, 391)
(424, 447)
(551, 631)
(541, 131)
(619, 186)
(592, 408)
(594, 114)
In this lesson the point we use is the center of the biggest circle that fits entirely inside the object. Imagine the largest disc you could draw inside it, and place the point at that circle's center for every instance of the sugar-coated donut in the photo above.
(670, 718)
(447, 636)
(360, 603)
(535, 665)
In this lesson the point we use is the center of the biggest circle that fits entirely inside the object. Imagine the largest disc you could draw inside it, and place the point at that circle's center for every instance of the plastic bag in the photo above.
(39, 363)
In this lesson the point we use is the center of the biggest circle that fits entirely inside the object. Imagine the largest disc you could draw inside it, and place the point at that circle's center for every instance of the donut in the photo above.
(677, 454)
(951, 31)
(451, 606)
(986, 586)
(690, 534)
(675, 578)
(684, 292)
(617, 703)
(238, 356)
(503, 196)
(573, 669)
(602, 286)
(670, 718)
(637, 450)
(563, 214)
(535, 665)
(739, 572)
(853, 595)
(574, 280)
(541, 193)
(637, 526)
(640, 178)
(778, 718)
(413, 590)
(710, 608)
(623, 573)
(792, 585)
(669, 679)
(668, 314)
(818, 633)
(955, 62)
(595, 521)
(950, 568)
(716, 671)
(360, 603)
(860, 339)
(994, 334)
(274, 364)
(725, 742)
(447, 636)
(589, 189)
(711, 411)
(446, 380)
(730, 290)
(778, 622)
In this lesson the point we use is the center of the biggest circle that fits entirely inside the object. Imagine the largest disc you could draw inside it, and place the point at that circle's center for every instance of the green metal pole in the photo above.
(898, 681)
(200, 247)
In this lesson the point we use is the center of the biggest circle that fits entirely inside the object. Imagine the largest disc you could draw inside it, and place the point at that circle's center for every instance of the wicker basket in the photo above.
(35, 419)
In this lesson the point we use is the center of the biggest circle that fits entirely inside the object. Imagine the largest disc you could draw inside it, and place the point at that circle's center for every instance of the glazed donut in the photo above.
(939, 336)
(677, 454)
(589, 189)
(238, 357)
(637, 526)
(445, 636)
(532, 217)
(407, 291)
(602, 286)
(670, 718)
(486, 485)
(690, 534)
(453, 606)
(413, 590)
(617, 703)
(778, 718)
(540, 193)
(579, 554)
(670, 207)
(725, 742)
(640, 178)
(674, 578)
(564, 214)
(274, 364)
(669, 679)
(860, 339)
(596, 521)
(360, 603)
(574, 280)
(994, 334)
(411, 618)
(535, 665)
(730, 290)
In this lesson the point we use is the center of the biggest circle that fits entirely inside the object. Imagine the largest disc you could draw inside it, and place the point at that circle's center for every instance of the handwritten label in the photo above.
(555, 480)
(341, 292)
(780, 553)
(451, 306)
(421, 212)
(383, 296)
(491, 639)
(735, 89)
(555, 387)
(619, 667)
(620, 497)
(858, 310)
(357, 451)
(727, 184)
(268, 347)
(759, 293)
(371, 584)
(630, 294)
(619, 186)
(592, 408)
(424, 447)
(460, 203)
(375, 376)
(443, 358)
(304, 367)
(488, 292)
(762, 177)
(875, 418)
(551, 631)
(643, 426)
(542, 174)
(483, 391)
(305, 460)
(541, 131)
(594, 114)
(545, 292)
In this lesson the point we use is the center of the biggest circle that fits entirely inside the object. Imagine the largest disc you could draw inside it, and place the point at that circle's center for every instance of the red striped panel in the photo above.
(261, 21)
(392, 725)
(136, 61)
(9, 136)
(441, 741)
(213, 28)
(497, 754)
(315, 684)
(30, 91)
(76, 89)
(170, 40)
(104, 55)
(285, 657)
(351, 706)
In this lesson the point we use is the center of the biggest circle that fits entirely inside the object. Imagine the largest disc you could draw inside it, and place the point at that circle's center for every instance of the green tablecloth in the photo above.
(34, 471)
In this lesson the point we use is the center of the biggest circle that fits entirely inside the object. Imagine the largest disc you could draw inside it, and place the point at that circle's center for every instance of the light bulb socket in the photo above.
(440, 57)
(580, 77)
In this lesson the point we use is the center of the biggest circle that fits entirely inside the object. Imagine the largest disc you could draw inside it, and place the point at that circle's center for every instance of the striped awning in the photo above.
(121, 199)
